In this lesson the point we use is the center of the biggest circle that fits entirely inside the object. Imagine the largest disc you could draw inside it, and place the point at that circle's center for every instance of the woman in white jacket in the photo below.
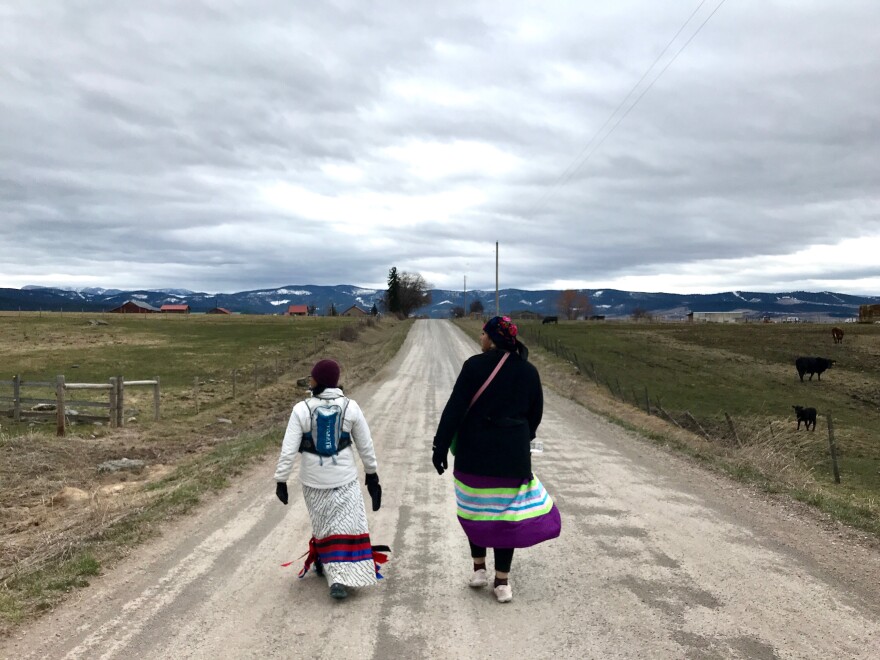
(340, 547)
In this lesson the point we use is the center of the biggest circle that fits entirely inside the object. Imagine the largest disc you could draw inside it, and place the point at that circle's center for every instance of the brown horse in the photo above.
(837, 335)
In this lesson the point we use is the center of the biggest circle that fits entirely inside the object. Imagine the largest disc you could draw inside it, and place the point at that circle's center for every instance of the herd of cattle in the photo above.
(813, 365)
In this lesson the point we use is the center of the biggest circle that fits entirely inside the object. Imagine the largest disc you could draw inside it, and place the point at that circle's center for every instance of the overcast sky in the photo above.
(226, 145)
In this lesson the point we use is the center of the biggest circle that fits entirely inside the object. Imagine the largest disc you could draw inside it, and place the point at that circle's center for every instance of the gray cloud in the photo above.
(222, 146)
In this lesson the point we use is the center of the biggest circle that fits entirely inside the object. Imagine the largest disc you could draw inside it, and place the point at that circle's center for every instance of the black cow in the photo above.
(550, 319)
(805, 415)
(812, 365)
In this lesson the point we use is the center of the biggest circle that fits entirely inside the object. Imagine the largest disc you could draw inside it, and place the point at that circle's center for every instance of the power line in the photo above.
(579, 161)
(573, 164)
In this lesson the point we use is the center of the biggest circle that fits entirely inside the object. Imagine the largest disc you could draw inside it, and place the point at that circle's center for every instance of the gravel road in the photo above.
(657, 559)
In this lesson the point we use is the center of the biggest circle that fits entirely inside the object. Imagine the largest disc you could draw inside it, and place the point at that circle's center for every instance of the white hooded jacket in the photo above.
(312, 470)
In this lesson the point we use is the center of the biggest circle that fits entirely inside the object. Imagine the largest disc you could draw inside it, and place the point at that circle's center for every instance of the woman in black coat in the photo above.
(489, 421)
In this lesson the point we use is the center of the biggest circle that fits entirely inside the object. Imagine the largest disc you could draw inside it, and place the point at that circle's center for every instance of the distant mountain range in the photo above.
(609, 302)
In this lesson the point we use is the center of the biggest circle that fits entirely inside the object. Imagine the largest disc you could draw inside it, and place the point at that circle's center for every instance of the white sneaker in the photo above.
(503, 593)
(479, 579)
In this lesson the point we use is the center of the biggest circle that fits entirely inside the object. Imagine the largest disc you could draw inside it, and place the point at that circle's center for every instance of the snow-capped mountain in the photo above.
(608, 302)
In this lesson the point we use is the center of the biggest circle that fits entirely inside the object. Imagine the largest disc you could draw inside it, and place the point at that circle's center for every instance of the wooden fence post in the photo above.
(16, 395)
(113, 402)
(733, 430)
(156, 400)
(120, 401)
(833, 450)
(59, 405)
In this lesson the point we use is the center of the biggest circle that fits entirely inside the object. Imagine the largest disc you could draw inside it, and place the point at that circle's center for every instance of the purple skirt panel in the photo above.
(498, 512)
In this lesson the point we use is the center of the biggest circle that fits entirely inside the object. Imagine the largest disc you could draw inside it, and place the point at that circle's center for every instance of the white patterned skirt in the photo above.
(341, 538)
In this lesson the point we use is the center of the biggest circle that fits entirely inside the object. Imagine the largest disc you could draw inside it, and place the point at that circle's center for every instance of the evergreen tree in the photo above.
(392, 295)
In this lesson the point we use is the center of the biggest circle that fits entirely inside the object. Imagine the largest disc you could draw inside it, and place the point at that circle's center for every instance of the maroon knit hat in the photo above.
(326, 373)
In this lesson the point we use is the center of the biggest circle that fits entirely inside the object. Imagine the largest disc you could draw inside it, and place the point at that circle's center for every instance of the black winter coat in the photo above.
(494, 435)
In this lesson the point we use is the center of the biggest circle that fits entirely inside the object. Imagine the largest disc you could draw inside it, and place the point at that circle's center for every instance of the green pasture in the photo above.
(141, 346)
(741, 369)
(92, 348)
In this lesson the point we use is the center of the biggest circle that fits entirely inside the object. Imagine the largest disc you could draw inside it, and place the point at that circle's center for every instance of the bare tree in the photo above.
(572, 304)
(413, 293)
(641, 314)
(457, 312)
(476, 307)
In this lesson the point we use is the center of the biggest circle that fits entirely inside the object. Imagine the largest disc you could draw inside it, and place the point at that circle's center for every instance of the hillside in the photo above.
(609, 302)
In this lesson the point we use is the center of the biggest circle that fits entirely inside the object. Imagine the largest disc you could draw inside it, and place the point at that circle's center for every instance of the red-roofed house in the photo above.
(175, 309)
(218, 310)
(297, 310)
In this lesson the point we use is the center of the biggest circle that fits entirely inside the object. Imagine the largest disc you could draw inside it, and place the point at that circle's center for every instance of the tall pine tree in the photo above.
(392, 296)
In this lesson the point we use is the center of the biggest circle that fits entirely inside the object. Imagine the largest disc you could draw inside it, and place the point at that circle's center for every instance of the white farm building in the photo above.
(717, 317)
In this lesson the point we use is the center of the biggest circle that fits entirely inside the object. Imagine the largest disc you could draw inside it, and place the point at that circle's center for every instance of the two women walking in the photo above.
(488, 423)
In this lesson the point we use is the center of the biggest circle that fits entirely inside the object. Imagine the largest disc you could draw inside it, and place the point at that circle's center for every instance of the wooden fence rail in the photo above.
(114, 405)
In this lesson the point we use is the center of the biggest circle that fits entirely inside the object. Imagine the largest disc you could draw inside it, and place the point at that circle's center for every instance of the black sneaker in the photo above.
(338, 591)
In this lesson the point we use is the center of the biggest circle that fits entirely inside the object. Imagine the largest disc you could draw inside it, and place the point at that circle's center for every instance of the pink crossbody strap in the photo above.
(489, 379)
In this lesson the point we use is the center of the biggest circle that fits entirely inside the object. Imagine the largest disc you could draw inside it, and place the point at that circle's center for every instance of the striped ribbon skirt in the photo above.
(498, 512)
(341, 537)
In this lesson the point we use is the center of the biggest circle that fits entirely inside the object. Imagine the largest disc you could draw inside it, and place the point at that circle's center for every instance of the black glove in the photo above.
(375, 490)
(281, 491)
(438, 458)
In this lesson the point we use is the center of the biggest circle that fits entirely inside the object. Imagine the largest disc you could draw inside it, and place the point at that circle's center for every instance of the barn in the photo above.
(218, 310)
(354, 310)
(134, 307)
(174, 309)
(297, 310)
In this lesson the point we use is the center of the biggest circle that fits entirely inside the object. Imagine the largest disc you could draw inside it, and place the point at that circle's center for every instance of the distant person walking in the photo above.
(488, 423)
(324, 429)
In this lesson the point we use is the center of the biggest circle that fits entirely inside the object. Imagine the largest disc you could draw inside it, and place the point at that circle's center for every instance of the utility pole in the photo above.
(465, 296)
(497, 312)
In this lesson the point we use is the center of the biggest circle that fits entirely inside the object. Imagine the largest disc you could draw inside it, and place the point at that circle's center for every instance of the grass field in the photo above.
(747, 371)
(178, 349)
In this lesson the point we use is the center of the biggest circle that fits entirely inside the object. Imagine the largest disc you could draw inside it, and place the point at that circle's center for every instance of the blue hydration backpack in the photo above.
(325, 436)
